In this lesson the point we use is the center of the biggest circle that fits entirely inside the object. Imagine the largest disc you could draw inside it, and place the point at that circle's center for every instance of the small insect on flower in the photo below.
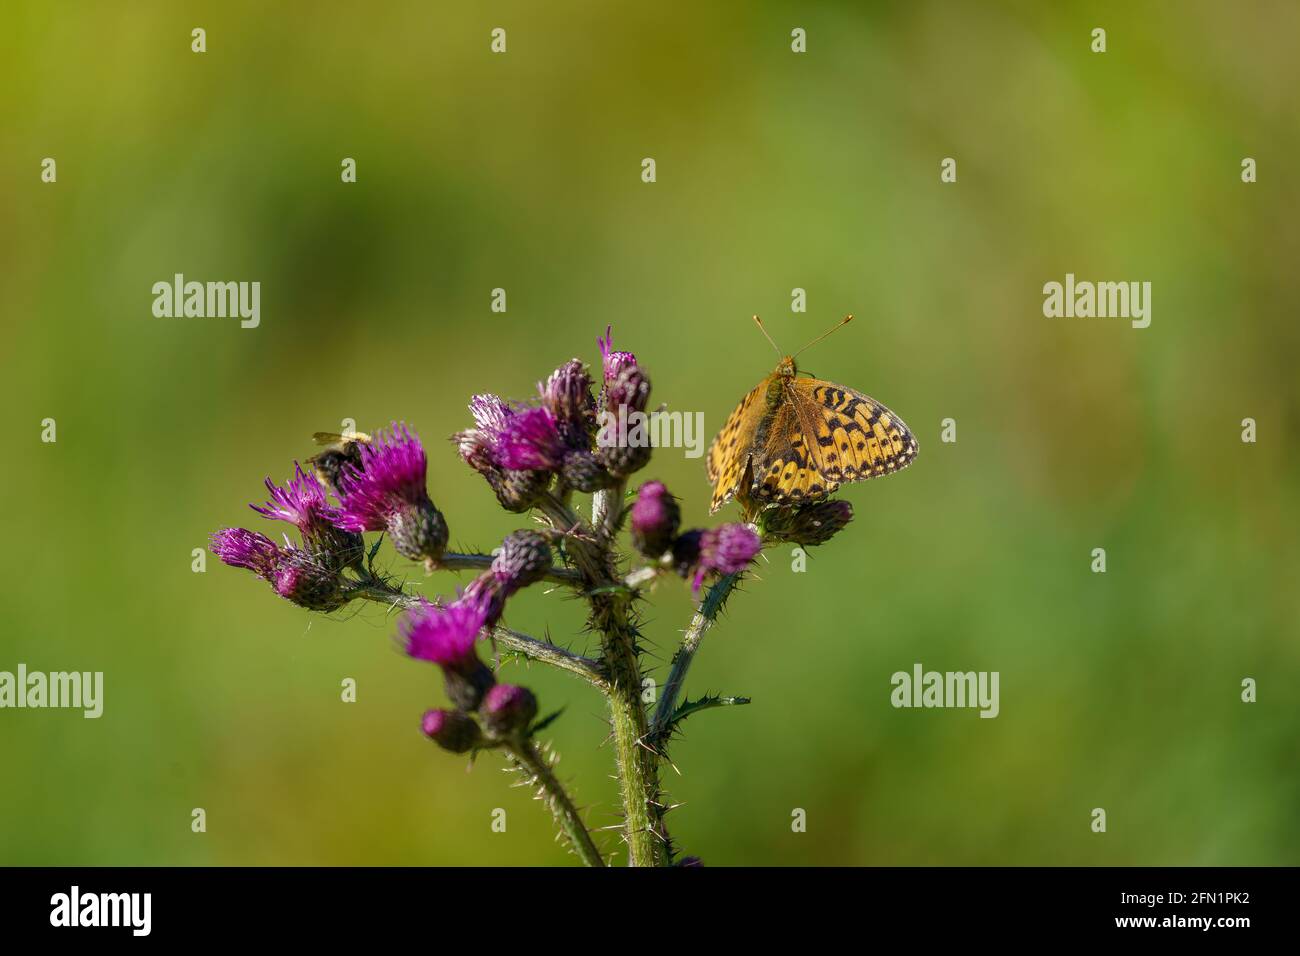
(339, 450)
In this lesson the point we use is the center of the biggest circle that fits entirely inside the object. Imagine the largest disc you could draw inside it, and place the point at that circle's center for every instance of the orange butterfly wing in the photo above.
(856, 437)
(729, 455)
(785, 470)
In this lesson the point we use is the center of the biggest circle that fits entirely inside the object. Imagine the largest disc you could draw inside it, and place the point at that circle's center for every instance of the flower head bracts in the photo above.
(567, 395)
(808, 524)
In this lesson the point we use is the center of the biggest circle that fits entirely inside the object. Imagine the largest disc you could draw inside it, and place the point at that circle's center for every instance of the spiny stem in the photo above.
(637, 764)
(592, 671)
(481, 562)
(705, 615)
(638, 767)
(526, 755)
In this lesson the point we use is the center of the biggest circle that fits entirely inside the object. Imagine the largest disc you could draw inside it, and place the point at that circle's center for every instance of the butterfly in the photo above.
(792, 440)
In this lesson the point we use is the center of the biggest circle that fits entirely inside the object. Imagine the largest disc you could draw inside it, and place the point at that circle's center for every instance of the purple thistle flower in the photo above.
(729, 548)
(480, 448)
(490, 414)
(294, 574)
(726, 549)
(387, 493)
(487, 595)
(530, 441)
(391, 478)
(240, 548)
(446, 636)
(614, 362)
(654, 519)
(304, 505)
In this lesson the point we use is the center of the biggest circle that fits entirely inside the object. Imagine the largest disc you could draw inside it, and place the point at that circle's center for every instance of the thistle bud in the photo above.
(508, 710)
(810, 524)
(300, 578)
(584, 472)
(419, 531)
(613, 362)
(624, 446)
(654, 519)
(452, 730)
(517, 491)
(686, 551)
(629, 390)
(567, 394)
(524, 559)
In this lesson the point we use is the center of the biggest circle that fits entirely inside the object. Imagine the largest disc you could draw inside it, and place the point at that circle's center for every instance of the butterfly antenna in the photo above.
(843, 322)
(763, 329)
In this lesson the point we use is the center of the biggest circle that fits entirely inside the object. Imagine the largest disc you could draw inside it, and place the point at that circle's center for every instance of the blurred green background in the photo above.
(775, 171)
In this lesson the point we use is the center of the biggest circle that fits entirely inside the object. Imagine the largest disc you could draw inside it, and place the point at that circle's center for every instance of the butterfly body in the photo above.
(792, 440)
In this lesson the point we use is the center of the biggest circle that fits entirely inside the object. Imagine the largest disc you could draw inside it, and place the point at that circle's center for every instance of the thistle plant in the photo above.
(535, 456)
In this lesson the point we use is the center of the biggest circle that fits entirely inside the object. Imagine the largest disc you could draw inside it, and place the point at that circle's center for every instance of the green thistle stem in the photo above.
(638, 766)
(526, 756)
(592, 671)
(705, 615)
(481, 562)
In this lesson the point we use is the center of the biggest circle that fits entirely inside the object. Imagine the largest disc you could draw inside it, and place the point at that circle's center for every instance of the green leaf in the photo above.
(545, 722)
(688, 707)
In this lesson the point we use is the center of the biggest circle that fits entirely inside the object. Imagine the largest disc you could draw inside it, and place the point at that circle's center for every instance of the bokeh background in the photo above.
(775, 171)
